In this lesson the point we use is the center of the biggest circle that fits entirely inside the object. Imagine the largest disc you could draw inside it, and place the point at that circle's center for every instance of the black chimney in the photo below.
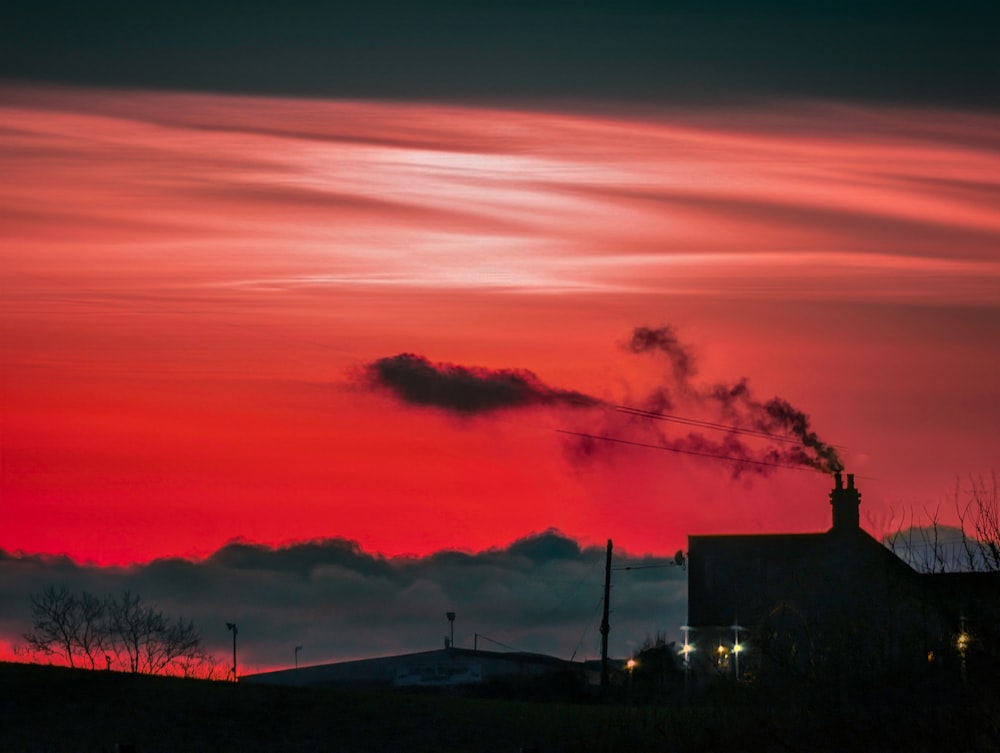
(845, 503)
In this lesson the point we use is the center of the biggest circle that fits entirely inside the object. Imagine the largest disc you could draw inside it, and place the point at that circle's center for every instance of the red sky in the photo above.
(192, 282)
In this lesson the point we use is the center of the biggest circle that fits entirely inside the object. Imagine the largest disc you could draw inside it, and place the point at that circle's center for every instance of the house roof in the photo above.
(742, 577)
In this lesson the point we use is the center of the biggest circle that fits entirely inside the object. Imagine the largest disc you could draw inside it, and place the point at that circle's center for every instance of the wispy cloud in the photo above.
(473, 198)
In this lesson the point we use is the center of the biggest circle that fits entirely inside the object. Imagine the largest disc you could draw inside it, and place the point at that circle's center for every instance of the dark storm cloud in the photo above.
(541, 593)
(464, 389)
(920, 51)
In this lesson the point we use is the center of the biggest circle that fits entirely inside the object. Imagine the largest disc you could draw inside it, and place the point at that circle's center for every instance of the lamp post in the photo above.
(737, 646)
(232, 626)
(630, 665)
(451, 620)
(297, 649)
(962, 641)
(686, 651)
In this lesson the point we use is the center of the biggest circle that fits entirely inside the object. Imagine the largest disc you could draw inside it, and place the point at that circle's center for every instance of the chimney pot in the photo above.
(845, 504)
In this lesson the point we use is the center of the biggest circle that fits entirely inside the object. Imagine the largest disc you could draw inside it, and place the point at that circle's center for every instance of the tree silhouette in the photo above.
(137, 637)
(930, 547)
(55, 619)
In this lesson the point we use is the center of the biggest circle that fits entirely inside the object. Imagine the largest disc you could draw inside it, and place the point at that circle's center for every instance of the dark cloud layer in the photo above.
(920, 51)
(540, 593)
(464, 389)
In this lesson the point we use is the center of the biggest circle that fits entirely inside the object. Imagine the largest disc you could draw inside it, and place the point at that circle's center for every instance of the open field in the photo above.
(55, 709)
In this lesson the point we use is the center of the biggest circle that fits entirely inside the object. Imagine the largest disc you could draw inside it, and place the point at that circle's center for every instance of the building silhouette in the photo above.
(830, 604)
(447, 668)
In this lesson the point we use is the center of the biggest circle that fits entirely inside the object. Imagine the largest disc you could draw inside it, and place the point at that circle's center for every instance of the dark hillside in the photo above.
(56, 709)
(46, 709)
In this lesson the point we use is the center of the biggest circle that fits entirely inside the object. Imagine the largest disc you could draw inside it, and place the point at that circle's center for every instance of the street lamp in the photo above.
(737, 646)
(451, 620)
(232, 626)
(962, 641)
(630, 665)
(297, 649)
(686, 653)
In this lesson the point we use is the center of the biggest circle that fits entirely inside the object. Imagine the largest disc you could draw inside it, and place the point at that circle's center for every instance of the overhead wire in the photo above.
(685, 451)
(732, 429)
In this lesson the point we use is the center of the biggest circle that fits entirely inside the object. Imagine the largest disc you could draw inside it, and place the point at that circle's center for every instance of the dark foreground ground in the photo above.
(54, 709)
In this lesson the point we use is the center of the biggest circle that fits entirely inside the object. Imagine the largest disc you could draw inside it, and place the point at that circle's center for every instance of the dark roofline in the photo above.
(833, 534)
(521, 657)
(756, 536)
(972, 577)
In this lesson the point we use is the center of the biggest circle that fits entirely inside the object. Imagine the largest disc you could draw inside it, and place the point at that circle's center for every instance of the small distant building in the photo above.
(828, 603)
(443, 668)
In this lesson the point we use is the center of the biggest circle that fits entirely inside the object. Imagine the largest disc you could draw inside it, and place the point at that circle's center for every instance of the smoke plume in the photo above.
(466, 390)
(664, 340)
(719, 421)
(754, 435)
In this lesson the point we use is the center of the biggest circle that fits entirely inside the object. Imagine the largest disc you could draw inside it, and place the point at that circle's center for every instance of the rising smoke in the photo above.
(788, 438)
(718, 421)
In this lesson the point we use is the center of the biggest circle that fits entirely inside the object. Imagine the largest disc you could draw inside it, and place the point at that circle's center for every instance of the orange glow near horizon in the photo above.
(190, 282)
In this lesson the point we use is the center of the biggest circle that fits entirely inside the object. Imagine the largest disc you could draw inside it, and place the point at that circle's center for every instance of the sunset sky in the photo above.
(214, 226)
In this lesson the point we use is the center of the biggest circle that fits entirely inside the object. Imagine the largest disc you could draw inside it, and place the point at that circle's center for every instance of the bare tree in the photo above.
(67, 626)
(981, 516)
(92, 634)
(137, 636)
(145, 640)
(54, 622)
(972, 546)
(199, 664)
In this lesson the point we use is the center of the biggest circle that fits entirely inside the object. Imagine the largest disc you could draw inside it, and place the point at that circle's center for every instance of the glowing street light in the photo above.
(737, 646)
(688, 646)
(686, 653)
(962, 642)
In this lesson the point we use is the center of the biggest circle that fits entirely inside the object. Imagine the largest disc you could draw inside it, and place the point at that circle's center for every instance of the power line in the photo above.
(586, 627)
(683, 451)
(658, 416)
(487, 638)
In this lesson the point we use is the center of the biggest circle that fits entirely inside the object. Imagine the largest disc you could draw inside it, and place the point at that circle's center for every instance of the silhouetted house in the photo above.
(831, 603)
(443, 668)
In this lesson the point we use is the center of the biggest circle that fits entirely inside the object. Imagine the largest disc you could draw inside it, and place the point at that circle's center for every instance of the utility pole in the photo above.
(232, 626)
(605, 625)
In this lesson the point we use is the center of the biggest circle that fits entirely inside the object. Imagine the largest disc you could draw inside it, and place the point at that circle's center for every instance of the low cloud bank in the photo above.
(541, 593)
